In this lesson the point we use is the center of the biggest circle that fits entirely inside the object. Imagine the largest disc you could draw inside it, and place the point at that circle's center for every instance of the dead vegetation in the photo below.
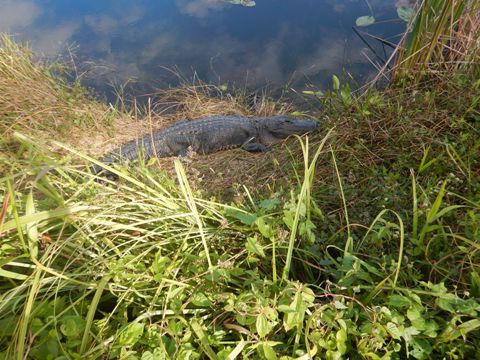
(36, 102)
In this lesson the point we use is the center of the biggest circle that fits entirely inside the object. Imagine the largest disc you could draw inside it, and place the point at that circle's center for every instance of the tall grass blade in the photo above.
(15, 223)
(432, 213)
(91, 312)
(304, 194)
(190, 199)
(237, 351)
(443, 36)
(415, 209)
(401, 229)
(349, 243)
(202, 337)
(32, 229)
(43, 216)
(26, 315)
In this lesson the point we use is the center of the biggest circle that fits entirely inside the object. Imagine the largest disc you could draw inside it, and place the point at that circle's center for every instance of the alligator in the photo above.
(208, 135)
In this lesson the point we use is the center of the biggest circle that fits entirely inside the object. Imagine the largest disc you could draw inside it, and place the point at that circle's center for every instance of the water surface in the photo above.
(276, 42)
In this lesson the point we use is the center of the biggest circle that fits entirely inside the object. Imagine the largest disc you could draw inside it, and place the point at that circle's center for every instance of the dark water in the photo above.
(273, 43)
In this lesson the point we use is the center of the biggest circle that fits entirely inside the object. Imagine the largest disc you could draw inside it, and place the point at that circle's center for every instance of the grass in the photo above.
(33, 99)
(360, 241)
(443, 38)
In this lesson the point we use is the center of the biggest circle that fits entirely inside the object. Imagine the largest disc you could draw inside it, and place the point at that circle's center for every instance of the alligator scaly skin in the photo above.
(209, 135)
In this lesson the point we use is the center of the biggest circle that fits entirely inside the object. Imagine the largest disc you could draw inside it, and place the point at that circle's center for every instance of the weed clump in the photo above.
(361, 240)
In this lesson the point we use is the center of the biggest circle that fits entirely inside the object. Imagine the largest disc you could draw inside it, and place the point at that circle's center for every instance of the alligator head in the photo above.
(272, 129)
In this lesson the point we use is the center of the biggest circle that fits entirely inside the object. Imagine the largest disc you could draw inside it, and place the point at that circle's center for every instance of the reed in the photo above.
(443, 38)
(371, 252)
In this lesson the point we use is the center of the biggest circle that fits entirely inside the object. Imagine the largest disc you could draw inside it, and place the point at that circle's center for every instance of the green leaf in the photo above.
(147, 355)
(468, 326)
(346, 95)
(446, 210)
(438, 289)
(285, 309)
(341, 338)
(447, 302)
(12, 275)
(244, 217)
(431, 328)
(269, 204)
(235, 352)
(415, 316)
(421, 348)
(263, 326)
(254, 247)
(365, 20)
(288, 218)
(269, 353)
(336, 82)
(7, 326)
(372, 356)
(204, 342)
(46, 215)
(264, 228)
(200, 299)
(72, 326)
(317, 93)
(423, 163)
(159, 264)
(394, 330)
(131, 334)
(304, 297)
(414, 313)
(308, 296)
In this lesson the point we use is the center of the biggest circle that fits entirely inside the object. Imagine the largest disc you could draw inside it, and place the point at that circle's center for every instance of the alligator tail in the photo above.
(132, 150)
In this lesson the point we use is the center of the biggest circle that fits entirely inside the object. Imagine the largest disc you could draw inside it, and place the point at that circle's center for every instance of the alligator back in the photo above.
(209, 135)
(201, 136)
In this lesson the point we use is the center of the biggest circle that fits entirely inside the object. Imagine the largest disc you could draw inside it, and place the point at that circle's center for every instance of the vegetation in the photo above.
(360, 241)
(444, 37)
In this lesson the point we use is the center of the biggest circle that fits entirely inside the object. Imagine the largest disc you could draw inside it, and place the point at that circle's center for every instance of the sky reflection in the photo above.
(272, 43)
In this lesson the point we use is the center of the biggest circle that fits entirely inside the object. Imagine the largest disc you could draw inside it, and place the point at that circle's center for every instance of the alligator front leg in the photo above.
(183, 153)
(254, 147)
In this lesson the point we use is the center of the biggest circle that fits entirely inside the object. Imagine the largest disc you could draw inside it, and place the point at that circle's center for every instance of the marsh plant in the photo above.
(359, 241)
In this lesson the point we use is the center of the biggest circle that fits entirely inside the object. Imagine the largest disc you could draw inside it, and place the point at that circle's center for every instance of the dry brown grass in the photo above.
(464, 45)
(196, 99)
(444, 39)
(45, 107)
(221, 171)
(36, 102)
(40, 104)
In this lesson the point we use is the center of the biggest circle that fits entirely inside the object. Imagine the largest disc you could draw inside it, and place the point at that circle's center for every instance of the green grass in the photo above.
(147, 266)
(443, 38)
(360, 241)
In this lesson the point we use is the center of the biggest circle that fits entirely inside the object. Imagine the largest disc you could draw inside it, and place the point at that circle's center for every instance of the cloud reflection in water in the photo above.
(223, 43)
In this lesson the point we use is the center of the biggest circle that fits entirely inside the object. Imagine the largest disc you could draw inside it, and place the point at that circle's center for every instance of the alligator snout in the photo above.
(287, 126)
